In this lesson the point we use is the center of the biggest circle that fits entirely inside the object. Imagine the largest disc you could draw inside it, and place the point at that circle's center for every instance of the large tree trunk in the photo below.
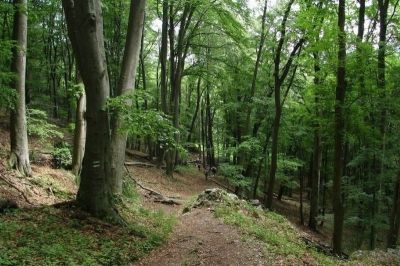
(85, 28)
(337, 200)
(125, 86)
(19, 157)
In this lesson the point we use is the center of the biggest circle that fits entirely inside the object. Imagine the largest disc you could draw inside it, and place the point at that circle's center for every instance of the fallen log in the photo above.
(140, 164)
(158, 197)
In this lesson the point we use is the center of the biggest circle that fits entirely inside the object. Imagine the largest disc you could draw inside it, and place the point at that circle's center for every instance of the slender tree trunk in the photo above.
(337, 200)
(164, 72)
(279, 79)
(394, 221)
(317, 154)
(257, 64)
(171, 32)
(19, 157)
(189, 139)
(80, 133)
(301, 195)
(125, 86)
(209, 133)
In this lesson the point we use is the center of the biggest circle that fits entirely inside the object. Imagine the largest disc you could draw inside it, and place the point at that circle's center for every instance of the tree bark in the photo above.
(394, 221)
(317, 154)
(85, 28)
(192, 124)
(80, 133)
(126, 83)
(19, 157)
(337, 200)
(279, 79)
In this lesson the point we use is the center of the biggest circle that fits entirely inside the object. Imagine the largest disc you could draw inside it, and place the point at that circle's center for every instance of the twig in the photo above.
(16, 188)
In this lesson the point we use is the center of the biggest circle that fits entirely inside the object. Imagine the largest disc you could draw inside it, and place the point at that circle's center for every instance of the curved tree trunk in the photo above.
(85, 28)
(19, 157)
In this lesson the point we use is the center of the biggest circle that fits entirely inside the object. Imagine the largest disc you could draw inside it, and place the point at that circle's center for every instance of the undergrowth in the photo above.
(68, 236)
(282, 242)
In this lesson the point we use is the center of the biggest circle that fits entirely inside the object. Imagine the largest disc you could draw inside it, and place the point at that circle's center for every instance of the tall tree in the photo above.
(126, 83)
(19, 158)
(337, 199)
(280, 75)
(94, 193)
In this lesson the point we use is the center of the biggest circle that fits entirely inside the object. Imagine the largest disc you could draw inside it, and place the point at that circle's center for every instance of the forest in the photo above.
(278, 118)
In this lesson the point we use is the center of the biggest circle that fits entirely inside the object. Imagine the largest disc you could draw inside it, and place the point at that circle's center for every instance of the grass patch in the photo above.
(282, 242)
(67, 236)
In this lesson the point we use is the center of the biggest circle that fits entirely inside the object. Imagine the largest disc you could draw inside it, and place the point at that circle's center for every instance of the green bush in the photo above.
(39, 127)
(62, 157)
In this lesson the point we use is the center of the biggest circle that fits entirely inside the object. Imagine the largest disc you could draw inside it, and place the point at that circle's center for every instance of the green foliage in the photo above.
(234, 174)
(62, 157)
(281, 240)
(145, 123)
(38, 126)
(287, 170)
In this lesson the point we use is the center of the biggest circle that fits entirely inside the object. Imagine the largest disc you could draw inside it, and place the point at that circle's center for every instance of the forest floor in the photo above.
(47, 230)
(199, 238)
(226, 235)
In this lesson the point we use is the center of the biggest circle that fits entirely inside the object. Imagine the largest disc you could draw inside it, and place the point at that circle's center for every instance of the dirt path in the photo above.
(201, 239)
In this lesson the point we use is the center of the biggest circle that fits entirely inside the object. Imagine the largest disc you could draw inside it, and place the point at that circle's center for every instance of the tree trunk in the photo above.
(209, 133)
(79, 134)
(279, 79)
(85, 28)
(337, 201)
(317, 154)
(125, 86)
(394, 221)
(301, 195)
(192, 124)
(19, 157)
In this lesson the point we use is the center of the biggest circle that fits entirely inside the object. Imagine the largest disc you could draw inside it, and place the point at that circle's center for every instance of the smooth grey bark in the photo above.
(79, 135)
(19, 156)
(126, 84)
(85, 29)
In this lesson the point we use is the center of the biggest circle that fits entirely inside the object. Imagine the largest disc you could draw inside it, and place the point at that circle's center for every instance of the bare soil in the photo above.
(201, 239)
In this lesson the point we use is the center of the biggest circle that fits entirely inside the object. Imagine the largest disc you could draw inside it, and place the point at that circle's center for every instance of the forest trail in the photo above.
(202, 239)
(198, 238)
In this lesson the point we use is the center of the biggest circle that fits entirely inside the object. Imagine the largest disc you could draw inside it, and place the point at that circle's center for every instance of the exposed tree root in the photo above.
(16, 188)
